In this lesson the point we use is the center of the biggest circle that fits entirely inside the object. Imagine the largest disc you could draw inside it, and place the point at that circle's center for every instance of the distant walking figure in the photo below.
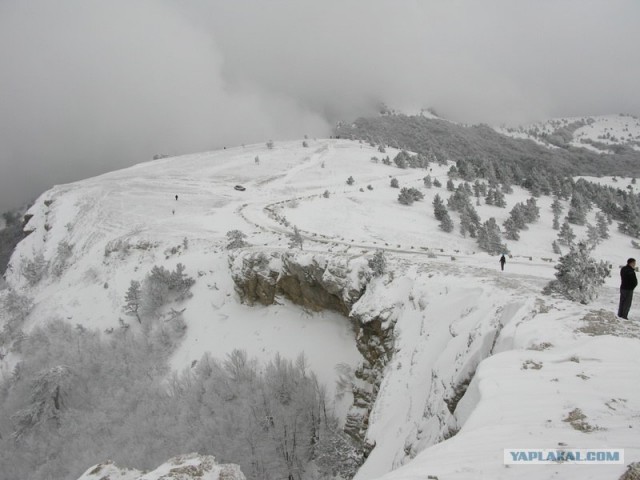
(502, 262)
(629, 282)
(176, 198)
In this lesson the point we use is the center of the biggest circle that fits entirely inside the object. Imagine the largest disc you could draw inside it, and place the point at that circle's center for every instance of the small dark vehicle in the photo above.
(240, 188)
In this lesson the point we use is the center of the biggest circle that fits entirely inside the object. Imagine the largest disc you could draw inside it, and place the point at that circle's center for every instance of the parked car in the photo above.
(240, 188)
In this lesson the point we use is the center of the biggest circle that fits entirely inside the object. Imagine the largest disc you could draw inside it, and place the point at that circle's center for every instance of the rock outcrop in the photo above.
(182, 467)
(324, 282)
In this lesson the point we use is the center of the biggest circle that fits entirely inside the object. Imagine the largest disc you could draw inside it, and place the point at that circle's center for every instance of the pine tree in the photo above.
(295, 239)
(437, 183)
(578, 275)
(378, 263)
(566, 235)
(394, 183)
(133, 299)
(489, 238)
(427, 181)
(593, 236)
(531, 211)
(350, 181)
(556, 222)
(512, 232)
(499, 199)
(556, 207)
(439, 210)
(446, 224)
(326, 194)
(450, 186)
(236, 239)
(556, 248)
(577, 213)
(603, 225)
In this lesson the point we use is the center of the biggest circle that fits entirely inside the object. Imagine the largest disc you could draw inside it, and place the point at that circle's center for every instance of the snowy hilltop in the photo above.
(326, 308)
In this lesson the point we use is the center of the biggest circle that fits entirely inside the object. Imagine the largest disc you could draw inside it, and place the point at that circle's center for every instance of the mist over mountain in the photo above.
(86, 87)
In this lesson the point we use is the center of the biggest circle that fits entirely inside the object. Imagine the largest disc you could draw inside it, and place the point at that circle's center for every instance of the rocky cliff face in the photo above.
(324, 282)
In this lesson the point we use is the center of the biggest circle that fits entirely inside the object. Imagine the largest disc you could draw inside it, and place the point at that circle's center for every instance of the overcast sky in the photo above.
(87, 86)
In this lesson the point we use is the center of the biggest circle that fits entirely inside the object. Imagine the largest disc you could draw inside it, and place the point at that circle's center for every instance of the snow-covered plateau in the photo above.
(452, 359)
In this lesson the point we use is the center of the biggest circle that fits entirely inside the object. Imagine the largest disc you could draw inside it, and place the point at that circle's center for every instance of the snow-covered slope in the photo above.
(480, 358)
(598, 133)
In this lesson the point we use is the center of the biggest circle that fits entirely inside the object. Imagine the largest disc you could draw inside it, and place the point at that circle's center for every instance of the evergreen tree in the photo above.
(593, 236)
(402, 159)
(378, 263)
(450, 186)
(556, 222)
(499, 199)
(603, 225)
(531, 211)
(578, 275)
(439, 210)
(427, 181)
(350, 181)
(566, 235)
(326, 194)
(295, 239)
(577, 213)
(133, 300)
(236, 239)
(446, 224)
(436, 183)
(394, 183)
(556, 248)
(556, 207)
(490, 239)
(512, 232)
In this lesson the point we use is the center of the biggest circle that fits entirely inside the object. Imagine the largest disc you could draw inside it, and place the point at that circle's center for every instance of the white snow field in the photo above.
(598, 133)
(530, 360)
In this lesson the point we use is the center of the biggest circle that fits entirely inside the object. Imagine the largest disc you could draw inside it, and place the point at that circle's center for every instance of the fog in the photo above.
(89, 86)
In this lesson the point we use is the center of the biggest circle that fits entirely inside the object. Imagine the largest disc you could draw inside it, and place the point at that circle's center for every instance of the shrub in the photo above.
(578, 275)
(236, 239)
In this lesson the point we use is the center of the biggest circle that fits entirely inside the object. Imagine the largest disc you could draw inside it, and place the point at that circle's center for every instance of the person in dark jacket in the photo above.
(629, 282)
(502, 262)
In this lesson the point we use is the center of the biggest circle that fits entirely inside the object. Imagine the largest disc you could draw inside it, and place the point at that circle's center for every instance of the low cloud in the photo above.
(89, 86)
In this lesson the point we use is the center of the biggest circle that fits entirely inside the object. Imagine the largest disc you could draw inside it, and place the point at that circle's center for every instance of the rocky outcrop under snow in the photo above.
(182, 467)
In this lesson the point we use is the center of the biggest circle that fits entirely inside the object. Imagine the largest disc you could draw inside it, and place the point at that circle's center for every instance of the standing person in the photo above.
(629, 282)
(176, 198)
(502, 262)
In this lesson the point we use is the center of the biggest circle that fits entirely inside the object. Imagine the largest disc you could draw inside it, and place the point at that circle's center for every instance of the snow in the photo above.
(609, 130)
(457, 318)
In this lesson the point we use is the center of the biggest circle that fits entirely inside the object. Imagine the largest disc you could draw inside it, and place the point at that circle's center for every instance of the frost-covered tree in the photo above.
(593, 237)
(34, 269)
(566, 235)
(490, 239)
(402, 159)
(295, 239)
(439, 210)
(236, 239)
(556, 207)
(450, 186)
(578, 208)
(556, 248)
(409, 195)
(512, 232)
(133, 299)
(394, 183)
(578, 275)
(47, 400)
(428, 183)
(603, 225)
(446, 224)
(437, 183)
(378, 263)
(531, 211)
